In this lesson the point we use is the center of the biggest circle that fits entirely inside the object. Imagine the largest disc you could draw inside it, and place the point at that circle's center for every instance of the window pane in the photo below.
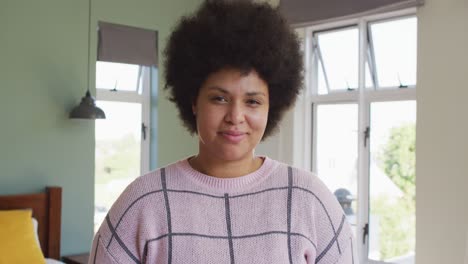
(392, 182)
(123, 77)
(337, 153)
(395, 46)
(339, 52)
(118, 140)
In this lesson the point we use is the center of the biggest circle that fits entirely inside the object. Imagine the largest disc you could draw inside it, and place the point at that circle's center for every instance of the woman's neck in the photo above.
(225, 169)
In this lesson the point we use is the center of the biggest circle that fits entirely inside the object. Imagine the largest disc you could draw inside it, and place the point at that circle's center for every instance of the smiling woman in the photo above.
(232, 70)
(231, 112)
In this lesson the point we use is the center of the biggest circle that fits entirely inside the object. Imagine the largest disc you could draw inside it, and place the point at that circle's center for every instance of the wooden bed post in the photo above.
(55, 215)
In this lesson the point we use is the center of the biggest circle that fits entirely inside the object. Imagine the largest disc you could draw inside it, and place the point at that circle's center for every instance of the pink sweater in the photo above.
(176, 214)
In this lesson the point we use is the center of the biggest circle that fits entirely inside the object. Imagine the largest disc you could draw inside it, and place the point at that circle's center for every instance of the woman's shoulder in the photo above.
(144, 187)
(305, 181)
(155, 179)
(299, 177)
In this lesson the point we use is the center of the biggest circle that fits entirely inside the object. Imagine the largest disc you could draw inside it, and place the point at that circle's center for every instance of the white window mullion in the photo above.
(363, 181)
(311, 118)
(363, 150)
(145, 107)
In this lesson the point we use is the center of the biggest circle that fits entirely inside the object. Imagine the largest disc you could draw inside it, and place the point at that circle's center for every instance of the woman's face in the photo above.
(231, 112)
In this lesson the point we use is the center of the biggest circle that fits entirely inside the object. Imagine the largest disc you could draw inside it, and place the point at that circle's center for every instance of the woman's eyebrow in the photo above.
(217, 88)
(226, 92)
(255, 93)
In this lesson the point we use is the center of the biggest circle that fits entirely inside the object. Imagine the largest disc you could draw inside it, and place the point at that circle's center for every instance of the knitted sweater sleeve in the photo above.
(347, 256)
(129, 224)
(99, 253)
(333, 233)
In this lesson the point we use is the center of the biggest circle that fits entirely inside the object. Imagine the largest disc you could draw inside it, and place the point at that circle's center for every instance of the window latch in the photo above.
(401, 84)
(365, 233)
(366, 136)
(144, 128)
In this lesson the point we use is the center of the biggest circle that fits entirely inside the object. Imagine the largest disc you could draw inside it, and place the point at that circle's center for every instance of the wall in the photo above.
(442, 130)
(43, 64)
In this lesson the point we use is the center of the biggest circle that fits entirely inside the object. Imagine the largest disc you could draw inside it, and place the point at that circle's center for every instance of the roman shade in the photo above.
(310, 12)
(125, 44)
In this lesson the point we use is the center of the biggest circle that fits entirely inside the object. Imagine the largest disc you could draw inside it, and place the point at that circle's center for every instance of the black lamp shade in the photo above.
(87, 109)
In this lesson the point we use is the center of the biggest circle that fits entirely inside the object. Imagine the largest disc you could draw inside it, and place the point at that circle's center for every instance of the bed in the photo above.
(46, 209)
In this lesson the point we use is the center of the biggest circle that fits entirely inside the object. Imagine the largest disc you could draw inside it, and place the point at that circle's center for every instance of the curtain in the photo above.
(125, 44)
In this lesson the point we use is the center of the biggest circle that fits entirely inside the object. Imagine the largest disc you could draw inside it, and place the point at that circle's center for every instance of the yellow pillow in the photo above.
(17, 242)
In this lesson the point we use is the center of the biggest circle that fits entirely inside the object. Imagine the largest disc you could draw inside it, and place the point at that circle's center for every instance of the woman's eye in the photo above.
(253, 102)
(219, 99)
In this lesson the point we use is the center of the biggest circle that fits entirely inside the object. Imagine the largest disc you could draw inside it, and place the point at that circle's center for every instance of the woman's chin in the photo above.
(234, 156)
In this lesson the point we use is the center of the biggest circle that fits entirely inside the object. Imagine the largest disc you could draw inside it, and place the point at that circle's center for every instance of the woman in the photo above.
(232, 69)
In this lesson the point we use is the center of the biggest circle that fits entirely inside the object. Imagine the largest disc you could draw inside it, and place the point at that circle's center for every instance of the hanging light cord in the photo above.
(89, 45)
(87, 108)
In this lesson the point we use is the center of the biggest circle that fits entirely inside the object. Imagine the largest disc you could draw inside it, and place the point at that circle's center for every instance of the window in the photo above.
(361, 98)
(392, 49)
(337, 57)
(122, 139)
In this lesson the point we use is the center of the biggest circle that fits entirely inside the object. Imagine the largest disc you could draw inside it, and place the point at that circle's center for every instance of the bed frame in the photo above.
(47, 209)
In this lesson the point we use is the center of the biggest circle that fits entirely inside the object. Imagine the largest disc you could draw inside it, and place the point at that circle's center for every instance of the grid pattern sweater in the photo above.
(277, 214)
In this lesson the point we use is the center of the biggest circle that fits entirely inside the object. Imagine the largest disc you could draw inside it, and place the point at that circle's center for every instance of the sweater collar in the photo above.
(228, 184)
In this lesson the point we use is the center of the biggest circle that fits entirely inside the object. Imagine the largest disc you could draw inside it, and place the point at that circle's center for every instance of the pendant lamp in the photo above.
(87, 108)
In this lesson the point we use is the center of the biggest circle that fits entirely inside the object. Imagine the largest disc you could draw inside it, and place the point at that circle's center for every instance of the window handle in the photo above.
(144, 128)
(366, 136)
(365, 233)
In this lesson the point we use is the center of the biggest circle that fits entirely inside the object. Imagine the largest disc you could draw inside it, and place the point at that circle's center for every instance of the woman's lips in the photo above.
(233, 136)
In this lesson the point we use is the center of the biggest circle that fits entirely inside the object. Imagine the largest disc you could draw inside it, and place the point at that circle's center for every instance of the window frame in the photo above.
(317, 56)
(371, 52)
(305, 111)
(111, 95)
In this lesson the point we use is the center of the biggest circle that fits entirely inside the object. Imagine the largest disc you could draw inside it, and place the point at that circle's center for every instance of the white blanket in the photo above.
(53, 261)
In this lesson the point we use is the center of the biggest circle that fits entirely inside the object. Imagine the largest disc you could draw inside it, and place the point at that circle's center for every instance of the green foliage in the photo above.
(397, 215)
(398, 158)
(117, 162)
(397, 230)
(117, 159)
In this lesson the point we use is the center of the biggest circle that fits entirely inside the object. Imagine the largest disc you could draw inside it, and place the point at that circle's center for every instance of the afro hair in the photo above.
(237, 34)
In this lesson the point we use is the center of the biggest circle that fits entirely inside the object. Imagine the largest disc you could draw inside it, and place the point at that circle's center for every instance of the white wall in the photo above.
(279, 146)
(442, 132)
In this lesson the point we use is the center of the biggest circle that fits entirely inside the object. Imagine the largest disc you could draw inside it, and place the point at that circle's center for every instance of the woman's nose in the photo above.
(235, 114)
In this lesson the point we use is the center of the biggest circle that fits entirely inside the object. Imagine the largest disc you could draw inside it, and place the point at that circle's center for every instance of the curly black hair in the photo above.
(233, 34)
